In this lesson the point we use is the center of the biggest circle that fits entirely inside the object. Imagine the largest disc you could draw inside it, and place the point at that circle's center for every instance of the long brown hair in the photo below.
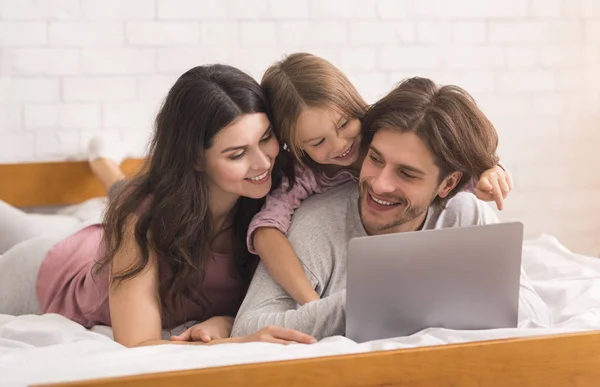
(170, 195)
(446, 119)
(304, 80)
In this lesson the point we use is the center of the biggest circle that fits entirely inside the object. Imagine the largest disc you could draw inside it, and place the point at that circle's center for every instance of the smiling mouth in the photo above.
(260, 177)
(346, 153)
(383, 202)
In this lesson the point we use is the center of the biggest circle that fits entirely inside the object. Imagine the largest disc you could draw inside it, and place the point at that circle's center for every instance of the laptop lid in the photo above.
(464, 278)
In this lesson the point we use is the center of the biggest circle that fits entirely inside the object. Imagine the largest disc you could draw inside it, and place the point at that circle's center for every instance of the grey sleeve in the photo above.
(267, 303)
(486, 214)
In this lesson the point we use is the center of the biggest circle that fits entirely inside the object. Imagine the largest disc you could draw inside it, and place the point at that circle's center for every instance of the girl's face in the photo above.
(328, 137)
(240, 161)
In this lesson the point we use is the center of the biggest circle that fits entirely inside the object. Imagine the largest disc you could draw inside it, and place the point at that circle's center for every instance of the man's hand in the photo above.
(494, 185)
(218, 327)
(279, 335)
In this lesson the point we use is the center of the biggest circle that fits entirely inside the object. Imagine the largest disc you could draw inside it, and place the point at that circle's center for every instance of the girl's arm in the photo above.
(280, 204)
(283, 265)
(266, 234)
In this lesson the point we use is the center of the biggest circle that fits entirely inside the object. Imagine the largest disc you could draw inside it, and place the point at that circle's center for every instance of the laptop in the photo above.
(464, 278)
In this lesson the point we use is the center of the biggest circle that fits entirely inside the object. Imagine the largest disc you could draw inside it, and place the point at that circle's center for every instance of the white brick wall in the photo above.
(72, 69)
(39, 61)
(117, 10)
(85, 33)
(98, 88)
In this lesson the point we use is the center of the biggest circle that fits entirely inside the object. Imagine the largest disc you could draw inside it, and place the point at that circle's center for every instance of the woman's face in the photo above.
(328, 137)
(240, 161)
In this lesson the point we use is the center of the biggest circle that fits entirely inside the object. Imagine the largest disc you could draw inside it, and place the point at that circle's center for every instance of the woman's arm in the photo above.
(135, 306)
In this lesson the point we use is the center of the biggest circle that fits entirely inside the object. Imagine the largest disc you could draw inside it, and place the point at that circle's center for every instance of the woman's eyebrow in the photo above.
(238, 147)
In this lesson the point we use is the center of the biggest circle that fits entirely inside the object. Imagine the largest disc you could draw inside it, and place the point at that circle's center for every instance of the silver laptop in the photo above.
(456, 278)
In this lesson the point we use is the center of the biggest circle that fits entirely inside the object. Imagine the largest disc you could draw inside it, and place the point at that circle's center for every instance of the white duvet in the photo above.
(50, 348)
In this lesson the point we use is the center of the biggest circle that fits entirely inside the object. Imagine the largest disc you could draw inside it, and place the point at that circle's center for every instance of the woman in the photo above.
(172, 246)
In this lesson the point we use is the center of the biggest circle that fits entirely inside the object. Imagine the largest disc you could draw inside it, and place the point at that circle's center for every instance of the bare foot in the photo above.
(107, 171)
(104, 160)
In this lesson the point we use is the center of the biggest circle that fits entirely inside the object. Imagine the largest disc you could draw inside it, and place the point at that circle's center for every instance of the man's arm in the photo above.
(318, 238)
(267, 303)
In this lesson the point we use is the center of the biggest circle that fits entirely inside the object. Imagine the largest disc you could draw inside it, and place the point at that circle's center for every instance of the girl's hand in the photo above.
(494, 185)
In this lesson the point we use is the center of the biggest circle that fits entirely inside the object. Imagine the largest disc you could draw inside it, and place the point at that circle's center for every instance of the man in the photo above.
(423, 144)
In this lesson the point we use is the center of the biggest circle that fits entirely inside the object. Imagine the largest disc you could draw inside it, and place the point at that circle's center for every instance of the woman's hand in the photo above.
(494, 185)
(218, 327)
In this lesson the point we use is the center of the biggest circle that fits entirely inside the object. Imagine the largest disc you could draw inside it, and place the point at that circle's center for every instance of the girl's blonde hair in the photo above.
(303, 80)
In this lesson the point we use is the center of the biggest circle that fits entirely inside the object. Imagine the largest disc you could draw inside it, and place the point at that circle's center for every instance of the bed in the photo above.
(51, 350)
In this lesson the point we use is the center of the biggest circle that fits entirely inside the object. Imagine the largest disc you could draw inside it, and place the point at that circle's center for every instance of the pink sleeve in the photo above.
(471, 185)
(280, 204)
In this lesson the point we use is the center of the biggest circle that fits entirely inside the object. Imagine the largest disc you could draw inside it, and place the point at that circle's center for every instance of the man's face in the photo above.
(398, 183)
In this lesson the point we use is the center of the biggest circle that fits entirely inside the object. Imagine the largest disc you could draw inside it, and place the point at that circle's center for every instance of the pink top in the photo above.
(280, 205)
(65, 284)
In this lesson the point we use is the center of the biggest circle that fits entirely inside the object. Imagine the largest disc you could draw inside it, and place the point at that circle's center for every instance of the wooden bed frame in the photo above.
(53, 183)
(551, 361)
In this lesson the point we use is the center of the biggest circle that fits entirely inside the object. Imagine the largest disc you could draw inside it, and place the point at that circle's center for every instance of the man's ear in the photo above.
(449, 183)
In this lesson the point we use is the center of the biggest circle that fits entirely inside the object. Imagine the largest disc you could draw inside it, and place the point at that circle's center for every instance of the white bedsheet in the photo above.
(49, 348)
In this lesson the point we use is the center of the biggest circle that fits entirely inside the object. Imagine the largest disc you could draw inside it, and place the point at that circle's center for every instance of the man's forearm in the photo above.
(322, 318)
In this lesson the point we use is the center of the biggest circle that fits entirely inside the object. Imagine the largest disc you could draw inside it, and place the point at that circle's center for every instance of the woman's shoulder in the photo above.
(124, 190)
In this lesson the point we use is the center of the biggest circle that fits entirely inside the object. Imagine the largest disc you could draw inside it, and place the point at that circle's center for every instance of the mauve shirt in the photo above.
(65, 284)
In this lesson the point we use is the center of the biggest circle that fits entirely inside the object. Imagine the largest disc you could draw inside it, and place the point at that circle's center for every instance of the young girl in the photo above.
(172, 247)
(317, 113)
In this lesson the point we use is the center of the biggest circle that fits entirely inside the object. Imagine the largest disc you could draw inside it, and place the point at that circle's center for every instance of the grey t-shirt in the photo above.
(320, 231)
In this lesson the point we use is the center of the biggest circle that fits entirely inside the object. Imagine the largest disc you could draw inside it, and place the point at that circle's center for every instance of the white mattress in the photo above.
(50, 348)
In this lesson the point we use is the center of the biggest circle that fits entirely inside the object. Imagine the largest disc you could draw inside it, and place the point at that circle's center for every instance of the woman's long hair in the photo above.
(170, 196)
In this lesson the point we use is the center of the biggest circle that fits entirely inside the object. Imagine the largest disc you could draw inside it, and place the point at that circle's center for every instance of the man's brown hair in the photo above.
(446, 119)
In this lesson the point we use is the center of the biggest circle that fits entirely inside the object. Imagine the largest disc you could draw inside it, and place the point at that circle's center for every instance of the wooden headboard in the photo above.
(53, 183)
